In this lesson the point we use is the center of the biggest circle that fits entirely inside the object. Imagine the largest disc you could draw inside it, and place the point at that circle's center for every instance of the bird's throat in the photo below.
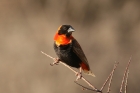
(62, 39)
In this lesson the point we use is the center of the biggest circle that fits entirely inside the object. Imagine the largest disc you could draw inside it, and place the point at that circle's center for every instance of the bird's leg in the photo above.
(79, 74)
(56, 61)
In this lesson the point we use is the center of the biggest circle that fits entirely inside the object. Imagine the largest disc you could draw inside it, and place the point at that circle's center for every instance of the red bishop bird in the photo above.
(69, 50)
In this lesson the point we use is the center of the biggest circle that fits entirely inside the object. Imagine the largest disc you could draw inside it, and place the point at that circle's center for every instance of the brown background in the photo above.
(108, 31)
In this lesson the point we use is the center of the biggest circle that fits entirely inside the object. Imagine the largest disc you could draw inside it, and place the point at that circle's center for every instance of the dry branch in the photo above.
(125, 90)
(125, 75)
(109, 86)
(94, 88)
(109, 78)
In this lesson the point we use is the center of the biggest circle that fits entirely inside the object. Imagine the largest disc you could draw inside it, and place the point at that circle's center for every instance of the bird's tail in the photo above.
(89, 73)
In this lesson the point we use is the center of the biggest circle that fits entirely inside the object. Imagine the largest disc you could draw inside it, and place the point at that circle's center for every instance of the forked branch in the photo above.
(54, 59)
(109, 79)
(125, 76)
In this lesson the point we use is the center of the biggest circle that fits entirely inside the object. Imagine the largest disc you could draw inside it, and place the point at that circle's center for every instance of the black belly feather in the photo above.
(65, 54)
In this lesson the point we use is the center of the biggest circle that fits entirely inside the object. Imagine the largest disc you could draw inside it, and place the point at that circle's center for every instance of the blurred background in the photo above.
(108, 31)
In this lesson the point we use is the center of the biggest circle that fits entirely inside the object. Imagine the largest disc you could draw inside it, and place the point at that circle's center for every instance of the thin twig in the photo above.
(125, 74)
(83, 86)
(126, 82)
(115, 66)
(109, 86)
(59, 61)
(95, 89)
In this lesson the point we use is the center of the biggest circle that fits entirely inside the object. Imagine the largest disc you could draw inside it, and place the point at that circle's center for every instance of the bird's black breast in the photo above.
(65, 54)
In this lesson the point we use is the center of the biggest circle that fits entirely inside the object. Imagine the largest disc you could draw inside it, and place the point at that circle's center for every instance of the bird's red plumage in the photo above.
(84, 66)
(62, 39)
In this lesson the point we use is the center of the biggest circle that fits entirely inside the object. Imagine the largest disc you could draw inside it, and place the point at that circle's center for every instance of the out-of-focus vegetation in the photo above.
(108, 31)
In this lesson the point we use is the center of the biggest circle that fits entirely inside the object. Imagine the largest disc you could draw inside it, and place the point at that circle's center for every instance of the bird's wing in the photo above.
(79, 52)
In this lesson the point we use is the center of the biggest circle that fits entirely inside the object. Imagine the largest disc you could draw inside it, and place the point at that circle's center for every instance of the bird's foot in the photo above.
(79, 75)
(56, 61)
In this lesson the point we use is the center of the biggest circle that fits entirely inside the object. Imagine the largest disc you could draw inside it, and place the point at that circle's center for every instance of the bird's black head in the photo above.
(66, 30)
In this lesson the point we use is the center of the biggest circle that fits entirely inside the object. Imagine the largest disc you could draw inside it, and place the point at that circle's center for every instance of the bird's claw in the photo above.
(79, 75)
(56, 61)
